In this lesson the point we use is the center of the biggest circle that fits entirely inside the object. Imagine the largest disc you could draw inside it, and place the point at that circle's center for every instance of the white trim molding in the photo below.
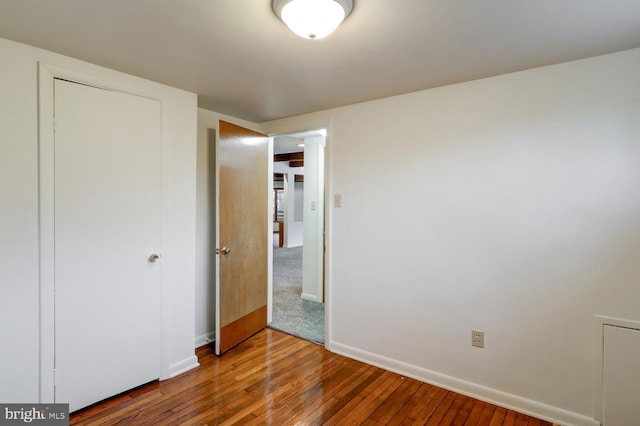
(311, 297)
(183, 366)
(205, 339)
(473, 390)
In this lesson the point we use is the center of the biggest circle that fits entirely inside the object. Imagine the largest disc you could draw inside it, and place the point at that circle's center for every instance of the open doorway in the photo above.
(298, 253)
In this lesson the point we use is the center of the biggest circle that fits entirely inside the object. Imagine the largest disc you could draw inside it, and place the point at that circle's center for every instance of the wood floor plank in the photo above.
(319, 390)
(462, 418)
(521, 419)
(335, 396)
(360, 407)
(509, 418)
(424, 412)
(419, 398)
(453, 410)
(274, 378)
(481, 414)
(288, 405)
(362, 404)
(441, 410)
(390, 408)
(497, 419)
(117, 415)
(308, 398)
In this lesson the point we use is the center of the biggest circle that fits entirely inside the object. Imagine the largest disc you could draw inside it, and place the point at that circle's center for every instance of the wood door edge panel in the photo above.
(242, 328)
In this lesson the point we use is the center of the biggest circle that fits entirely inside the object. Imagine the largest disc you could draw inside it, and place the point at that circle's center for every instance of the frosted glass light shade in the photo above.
(313, 19)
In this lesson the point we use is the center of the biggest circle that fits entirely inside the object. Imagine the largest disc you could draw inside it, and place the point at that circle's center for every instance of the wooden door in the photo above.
(243, 197)
(107, 225)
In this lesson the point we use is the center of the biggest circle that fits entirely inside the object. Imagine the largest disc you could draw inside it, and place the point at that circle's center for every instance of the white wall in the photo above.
(509, 204)
(19, 244)
(19, 305)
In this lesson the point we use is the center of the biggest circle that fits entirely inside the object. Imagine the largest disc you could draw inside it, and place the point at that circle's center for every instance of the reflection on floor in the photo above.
(291, 314)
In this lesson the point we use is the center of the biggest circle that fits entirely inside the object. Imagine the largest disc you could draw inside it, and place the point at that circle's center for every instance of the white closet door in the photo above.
(621, 376)
(107, 225)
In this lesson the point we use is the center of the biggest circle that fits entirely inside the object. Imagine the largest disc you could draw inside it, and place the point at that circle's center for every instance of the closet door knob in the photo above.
(154, 258)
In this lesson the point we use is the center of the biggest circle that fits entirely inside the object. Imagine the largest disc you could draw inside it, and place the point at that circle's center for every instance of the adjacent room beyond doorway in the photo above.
(298, 292)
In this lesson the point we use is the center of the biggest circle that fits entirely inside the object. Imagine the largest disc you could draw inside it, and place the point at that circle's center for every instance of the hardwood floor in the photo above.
(277, 379)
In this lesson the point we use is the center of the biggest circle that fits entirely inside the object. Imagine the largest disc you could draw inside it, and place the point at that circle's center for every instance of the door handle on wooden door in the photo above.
(224, 250)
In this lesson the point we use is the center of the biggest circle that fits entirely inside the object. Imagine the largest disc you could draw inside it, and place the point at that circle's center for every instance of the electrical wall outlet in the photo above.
(477, 338)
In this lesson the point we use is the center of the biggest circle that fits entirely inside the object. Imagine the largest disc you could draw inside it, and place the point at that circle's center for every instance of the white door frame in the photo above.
(46, 75)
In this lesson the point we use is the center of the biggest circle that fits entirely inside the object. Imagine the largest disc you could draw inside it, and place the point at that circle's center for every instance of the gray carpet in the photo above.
(291, 314)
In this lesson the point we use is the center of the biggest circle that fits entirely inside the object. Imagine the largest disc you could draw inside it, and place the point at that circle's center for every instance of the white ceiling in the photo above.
(244, 62)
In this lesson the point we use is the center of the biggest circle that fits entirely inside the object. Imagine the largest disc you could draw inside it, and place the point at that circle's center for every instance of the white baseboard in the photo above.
(205, 339)
(473, 390)
(183, 366)
(311, 297)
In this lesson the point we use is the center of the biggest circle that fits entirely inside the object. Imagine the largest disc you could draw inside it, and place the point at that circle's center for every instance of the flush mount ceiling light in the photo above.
(312, 19)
